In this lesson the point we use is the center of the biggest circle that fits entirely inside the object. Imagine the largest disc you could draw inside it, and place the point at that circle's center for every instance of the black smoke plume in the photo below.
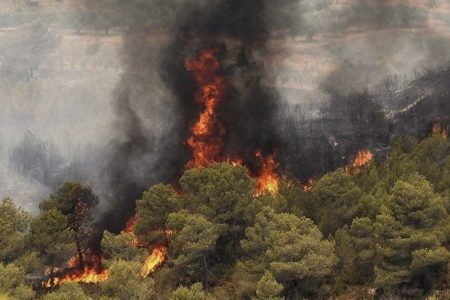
(141, 155)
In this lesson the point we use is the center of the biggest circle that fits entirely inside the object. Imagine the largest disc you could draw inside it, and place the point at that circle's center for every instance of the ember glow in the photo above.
(438, 130)
(268, 178)
(89, 270)
(206, 134)
(308, 186)
(129, 227)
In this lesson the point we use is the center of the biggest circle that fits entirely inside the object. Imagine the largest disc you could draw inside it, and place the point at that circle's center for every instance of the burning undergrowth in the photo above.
(88, 269)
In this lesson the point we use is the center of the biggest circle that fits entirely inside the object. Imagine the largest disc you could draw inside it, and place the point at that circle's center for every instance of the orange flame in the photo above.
(88, 271)
(268, 179)
(156, 258)
(362, 158)
(206, 134)
(129, 228)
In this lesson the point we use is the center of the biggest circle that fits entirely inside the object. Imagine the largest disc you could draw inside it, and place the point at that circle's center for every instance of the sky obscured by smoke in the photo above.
(85, 94)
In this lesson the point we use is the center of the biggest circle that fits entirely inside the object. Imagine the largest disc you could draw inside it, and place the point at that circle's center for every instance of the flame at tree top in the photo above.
(268, 179)
(362, 159)
(206, 134)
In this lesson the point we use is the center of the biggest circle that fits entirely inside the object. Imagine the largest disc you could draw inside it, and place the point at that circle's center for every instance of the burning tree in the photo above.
(207, 133)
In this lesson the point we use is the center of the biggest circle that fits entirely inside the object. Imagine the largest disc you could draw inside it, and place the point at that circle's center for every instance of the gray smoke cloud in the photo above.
(54, 93)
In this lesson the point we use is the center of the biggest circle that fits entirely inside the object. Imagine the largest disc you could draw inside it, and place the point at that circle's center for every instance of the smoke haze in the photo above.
(98, 92)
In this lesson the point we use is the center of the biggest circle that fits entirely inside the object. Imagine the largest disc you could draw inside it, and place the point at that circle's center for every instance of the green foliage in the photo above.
(268, 288)
(153, 209)
(221, 192)
(409, 234)
(12, 283)
(121, 246)
(50, 236)
(355, 247)
(192, 245)
(74, 201)
(297, 202)
(68, 291)
(125, 282)
(194, 292)
(14, 223)
(386, 226)
(429, 157)
(29, 261)
(337, 196)
(69, 199)
(415, 204)
(292, 248)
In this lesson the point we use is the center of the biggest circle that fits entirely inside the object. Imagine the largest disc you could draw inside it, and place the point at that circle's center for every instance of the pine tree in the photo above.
(268, 288)
(410, 235)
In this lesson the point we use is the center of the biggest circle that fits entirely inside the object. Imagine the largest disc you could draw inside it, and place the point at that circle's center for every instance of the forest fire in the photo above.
(308, 186)
(157, 255)
(88, 271)
(362, 158)
(129, 227)
(206, 134)
(268, 179)
(206, 144)
(156, 258)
